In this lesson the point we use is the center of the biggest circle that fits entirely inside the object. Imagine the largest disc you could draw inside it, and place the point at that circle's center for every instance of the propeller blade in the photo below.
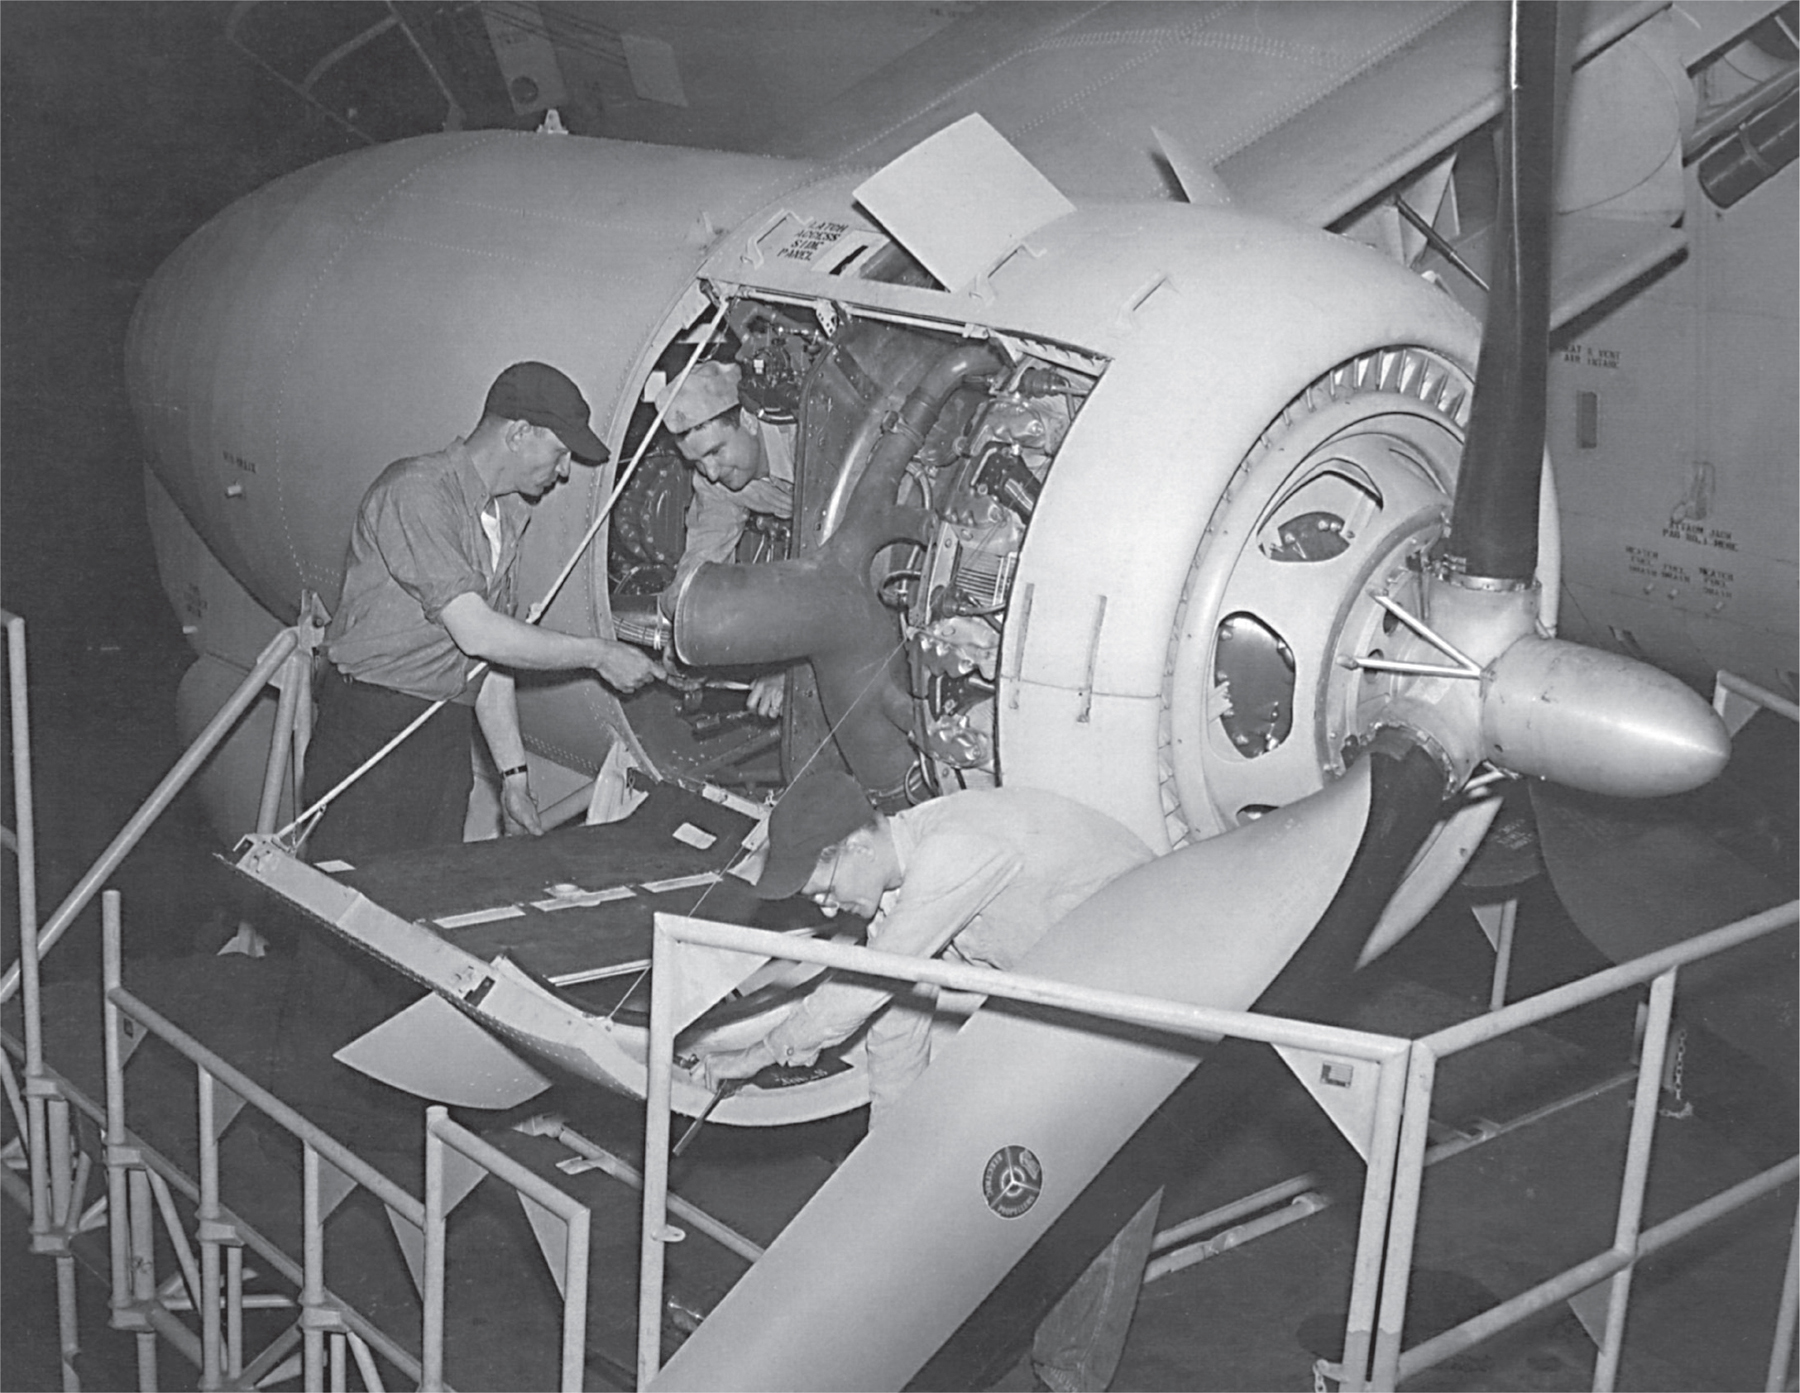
(1494, 525)
(1272, 914)
(1210, 924)
(1404, 788)
(1638, 878)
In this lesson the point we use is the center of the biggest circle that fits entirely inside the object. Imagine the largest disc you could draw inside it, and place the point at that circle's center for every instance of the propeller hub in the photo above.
(1598, 721)
(1462, 631)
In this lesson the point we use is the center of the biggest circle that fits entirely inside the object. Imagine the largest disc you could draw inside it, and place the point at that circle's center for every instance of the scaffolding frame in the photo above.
(1396, 1148)
(141, 1184)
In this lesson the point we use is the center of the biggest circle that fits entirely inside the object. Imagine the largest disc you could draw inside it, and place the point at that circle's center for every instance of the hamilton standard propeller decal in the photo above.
(1012, 1181)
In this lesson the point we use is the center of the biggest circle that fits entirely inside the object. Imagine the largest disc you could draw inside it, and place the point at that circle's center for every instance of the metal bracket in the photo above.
(323, 1315)
(219, 1231)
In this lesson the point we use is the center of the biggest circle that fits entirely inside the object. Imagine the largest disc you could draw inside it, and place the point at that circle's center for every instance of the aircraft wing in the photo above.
(1303, 110)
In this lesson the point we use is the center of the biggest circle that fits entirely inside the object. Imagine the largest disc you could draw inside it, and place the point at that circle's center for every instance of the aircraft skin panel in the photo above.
(1332, 152)
(1077, 89)
(1303, 110)
(356, 313)
(1673, 418)
(306, 358)
(1144, 467)
(1102, 744)
(218, 616)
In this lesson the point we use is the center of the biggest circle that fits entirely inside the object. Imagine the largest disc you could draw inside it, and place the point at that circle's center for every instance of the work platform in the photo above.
(266, 1236)
(1252, 1315)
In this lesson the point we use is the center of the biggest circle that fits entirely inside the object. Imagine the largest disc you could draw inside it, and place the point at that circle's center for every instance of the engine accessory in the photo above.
(823, 605)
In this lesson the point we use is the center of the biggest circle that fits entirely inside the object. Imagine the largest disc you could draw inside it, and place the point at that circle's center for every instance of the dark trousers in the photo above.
(417, 796)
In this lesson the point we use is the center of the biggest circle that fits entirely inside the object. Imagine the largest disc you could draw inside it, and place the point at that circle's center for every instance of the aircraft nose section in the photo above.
(1598, 721)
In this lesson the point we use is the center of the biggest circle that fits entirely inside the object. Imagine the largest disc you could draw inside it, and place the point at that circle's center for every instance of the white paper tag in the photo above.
(480, 916)
(680, 882)
(694, 836)
(584, 898)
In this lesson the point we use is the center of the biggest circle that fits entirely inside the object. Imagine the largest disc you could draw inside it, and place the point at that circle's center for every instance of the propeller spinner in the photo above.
(1473, 678)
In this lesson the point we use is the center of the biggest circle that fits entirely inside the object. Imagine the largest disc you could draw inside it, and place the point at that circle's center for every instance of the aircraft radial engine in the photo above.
(1143, 510)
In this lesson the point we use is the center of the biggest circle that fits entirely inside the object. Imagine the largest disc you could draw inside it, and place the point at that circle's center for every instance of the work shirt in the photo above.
(984, 876)
(717, 515)
(417, 544)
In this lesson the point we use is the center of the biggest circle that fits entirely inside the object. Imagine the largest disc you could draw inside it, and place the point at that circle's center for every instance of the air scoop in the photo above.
(1597, 721)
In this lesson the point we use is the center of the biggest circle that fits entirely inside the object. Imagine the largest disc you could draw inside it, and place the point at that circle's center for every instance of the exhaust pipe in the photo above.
(824, 607)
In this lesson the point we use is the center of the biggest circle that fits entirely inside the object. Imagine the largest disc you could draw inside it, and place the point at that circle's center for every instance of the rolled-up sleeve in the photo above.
(419, 535)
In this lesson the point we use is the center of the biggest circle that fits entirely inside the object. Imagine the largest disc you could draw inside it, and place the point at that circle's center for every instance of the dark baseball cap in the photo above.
(819, 810)
(538, 393)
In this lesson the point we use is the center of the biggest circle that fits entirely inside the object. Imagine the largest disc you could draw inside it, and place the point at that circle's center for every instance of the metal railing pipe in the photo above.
(365, 1363)
(16, 1101)
(1205, 1022)
(25, 852)
(160, 797)
(1678, 1227)
(24, 838)
(1781, 1354)
(207, 1221)
(441, 1131)
(1637, 1174)
(1503, 951)
(1403, 1217)
(1177, 1234)
(1585, 1274)
(61, 1154)
(1478, 1029)
(1509, 1313)
(234, 1311)
(1302, 1206)
(628, 1174)
(169, 1326)
(658, 1087)
(117, 1157)
(68, 1321)
(574, 1347)
(125, 1150)
(67, 1184)
(328, 1146)
(431, 1337)
(296, 672)
(141, 1223)
(1379, 1178)
(312, 1281)
(1762, 696)
(189, 1269)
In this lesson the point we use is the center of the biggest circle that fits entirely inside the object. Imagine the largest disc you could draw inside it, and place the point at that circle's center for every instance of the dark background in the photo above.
(123, 127)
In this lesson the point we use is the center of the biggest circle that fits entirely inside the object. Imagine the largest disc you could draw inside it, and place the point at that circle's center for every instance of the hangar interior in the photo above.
(1543, 1137)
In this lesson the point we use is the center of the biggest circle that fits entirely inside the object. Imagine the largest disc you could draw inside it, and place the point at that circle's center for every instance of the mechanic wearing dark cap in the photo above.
(429, 591)
(979, 876)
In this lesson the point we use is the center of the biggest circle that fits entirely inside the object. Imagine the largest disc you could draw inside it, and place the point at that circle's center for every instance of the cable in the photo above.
(536, 612)
(880, 668)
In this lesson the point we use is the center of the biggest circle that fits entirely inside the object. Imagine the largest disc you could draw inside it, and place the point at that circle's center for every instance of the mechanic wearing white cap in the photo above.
(742, 465)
